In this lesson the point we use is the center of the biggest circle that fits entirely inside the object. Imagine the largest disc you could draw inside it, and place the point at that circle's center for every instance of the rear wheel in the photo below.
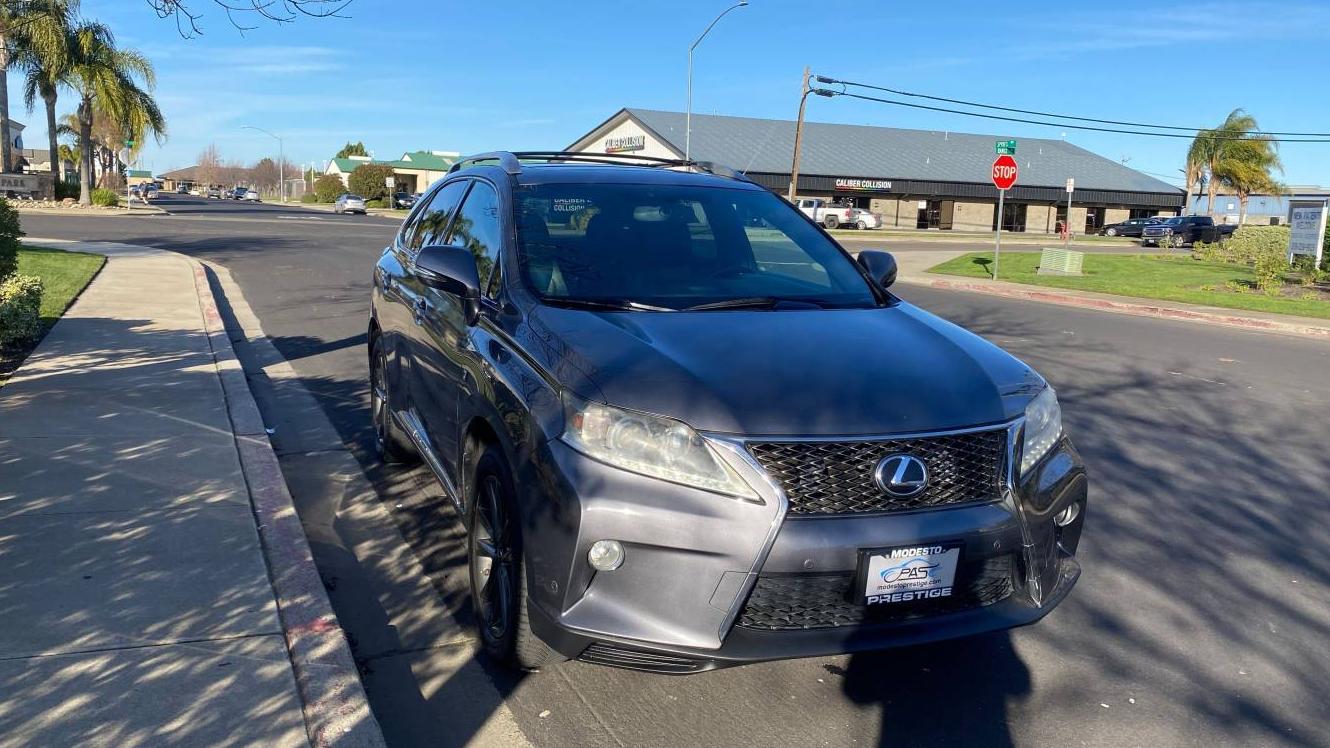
(498, 569)
(391, 444)
(861, 226)
(1111, 232)
(831, 222)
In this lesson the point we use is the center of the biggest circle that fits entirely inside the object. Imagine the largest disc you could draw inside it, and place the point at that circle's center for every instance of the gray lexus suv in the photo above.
(686, 430)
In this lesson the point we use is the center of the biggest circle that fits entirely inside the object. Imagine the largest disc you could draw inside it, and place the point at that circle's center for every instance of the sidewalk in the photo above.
(139, 604)
(912, 268)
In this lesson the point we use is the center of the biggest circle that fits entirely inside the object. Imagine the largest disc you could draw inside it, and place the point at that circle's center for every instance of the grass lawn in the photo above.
(1177, 278)
(64, 275)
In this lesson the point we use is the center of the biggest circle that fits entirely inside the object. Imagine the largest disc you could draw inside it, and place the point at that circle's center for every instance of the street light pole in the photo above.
(688, 117)
(798, 138)
(281, 161)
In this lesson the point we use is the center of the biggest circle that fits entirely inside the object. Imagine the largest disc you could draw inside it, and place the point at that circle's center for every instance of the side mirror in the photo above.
(881, 266)
(451, 270)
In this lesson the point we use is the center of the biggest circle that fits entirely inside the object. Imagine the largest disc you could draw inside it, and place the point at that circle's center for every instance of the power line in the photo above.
(824, 79)
(831, 93)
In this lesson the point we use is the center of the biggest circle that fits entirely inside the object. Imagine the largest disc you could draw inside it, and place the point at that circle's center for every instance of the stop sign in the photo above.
(1004, 172)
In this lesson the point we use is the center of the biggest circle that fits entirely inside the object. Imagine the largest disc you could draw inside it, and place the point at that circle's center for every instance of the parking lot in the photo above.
(1200, 618)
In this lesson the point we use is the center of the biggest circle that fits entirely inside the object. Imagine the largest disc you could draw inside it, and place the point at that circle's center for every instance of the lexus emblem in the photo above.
(901, 476)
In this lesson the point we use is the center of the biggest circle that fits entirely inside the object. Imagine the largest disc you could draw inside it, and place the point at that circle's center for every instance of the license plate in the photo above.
(907, 575)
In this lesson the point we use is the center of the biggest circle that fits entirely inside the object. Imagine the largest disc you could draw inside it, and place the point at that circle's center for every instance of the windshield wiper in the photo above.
(750, 302)
(618, 306)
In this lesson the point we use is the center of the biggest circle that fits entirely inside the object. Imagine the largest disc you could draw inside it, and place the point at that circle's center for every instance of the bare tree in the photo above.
(240, 13)
(208, 170)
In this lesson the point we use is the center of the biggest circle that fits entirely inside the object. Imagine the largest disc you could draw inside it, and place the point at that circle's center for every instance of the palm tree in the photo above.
(106, 79)
(43, 50)
(32, 27)
(1198, 157)
(1236, 126)
(1247, 168)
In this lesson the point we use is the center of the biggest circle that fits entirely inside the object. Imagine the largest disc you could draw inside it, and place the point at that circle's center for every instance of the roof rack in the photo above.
(511, 162)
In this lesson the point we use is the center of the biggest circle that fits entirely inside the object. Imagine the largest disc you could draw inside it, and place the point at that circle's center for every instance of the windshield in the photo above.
(677, 246)
(354, 197)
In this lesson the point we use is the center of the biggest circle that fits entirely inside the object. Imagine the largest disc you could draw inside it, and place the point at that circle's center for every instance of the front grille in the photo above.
(786, 602)
(831, 477)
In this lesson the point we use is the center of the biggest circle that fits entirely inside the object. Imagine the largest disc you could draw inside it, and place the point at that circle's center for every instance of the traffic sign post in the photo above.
(1004, 178)
(1066, 235)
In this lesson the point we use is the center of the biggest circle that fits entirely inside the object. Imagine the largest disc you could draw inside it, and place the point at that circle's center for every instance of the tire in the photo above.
(390, 443)
(831, 222)
(496, 567)
(1110, 232)
(861, 226)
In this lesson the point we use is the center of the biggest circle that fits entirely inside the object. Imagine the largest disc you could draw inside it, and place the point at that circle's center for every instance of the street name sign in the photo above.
(1004, 172)
(1005, 148)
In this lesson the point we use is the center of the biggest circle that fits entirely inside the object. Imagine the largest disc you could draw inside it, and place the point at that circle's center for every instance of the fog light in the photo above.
(1068, 515)
(605, 555)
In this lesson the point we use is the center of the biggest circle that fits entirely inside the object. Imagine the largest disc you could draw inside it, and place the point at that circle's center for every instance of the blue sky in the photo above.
(471, 76)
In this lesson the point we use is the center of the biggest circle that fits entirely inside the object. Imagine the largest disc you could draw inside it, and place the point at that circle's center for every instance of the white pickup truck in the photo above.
(835, 216)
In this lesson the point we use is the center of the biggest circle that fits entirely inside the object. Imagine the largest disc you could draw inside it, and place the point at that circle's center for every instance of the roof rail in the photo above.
(511, 162)
(506, 161)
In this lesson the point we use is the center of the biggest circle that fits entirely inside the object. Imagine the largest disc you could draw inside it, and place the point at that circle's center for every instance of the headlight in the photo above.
(650, 445)
(1043, 426)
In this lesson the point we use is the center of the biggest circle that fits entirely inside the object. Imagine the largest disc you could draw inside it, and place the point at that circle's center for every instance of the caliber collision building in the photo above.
(912, 178)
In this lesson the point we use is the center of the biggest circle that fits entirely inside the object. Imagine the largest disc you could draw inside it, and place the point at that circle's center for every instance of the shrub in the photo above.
(20, 309)
(1270, 264)
(9, 236)
(105, 198)
(309, 197)
(328, 187)
(374, 203)
(65, 189)
(1308, 274)
(368, 181)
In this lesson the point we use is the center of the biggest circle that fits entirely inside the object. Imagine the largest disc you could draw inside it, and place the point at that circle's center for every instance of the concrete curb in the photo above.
(1258, 324)
(139, 211)
(336, 709)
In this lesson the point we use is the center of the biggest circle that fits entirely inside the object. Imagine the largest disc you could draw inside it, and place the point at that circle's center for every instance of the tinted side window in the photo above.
(477, 228)
(433, 220)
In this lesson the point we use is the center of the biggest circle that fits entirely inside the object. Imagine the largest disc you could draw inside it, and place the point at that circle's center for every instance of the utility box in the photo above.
(1060, 262)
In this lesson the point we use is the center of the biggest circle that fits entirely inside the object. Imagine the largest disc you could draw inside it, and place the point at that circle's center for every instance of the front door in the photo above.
(445, 352)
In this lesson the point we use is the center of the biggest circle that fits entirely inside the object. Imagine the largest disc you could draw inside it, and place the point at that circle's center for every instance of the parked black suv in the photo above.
(685, 429)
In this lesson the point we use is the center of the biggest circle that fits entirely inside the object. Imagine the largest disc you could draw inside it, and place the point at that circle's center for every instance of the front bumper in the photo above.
(712, 582)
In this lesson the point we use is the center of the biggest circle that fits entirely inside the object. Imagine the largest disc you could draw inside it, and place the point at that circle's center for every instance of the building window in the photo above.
(1013, 216)
(1143, 213)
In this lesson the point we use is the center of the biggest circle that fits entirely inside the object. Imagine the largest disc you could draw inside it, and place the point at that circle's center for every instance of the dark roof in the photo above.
(766, 146)
(181, 175)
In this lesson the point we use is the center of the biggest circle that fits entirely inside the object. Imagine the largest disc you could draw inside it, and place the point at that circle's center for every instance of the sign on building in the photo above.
(625, 144)
(1306, 221)
(872, 185)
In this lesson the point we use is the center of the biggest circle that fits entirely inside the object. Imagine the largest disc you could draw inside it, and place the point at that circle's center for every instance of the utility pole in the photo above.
(798, 137)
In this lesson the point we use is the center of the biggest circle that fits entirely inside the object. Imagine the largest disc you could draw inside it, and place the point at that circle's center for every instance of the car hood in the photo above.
(815, 372)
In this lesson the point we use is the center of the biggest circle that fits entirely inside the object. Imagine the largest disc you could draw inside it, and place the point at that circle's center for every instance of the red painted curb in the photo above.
(1144, 310)
(336, 710)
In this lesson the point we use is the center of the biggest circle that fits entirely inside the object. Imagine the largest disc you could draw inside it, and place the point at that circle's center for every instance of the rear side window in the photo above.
(432, 221)
(477, 228)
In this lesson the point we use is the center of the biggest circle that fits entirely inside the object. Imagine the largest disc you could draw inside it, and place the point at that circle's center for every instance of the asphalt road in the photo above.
(1201, 619)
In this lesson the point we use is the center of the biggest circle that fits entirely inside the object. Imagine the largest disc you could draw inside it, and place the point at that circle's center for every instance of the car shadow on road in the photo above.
(950, 693)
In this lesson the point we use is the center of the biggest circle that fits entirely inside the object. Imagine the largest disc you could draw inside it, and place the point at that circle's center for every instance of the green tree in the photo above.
(106, 79)
(352, 149)
(327, 187)
(34, 36)
(1219, 146)
(1247, 166)
(369, 181)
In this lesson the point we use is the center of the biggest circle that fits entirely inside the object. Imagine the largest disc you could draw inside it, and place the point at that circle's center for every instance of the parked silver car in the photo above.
(348, 203)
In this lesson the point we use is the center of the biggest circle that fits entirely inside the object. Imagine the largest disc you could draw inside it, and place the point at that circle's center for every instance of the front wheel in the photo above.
(390, 443)
(498, 569)
(1111, 232)
(861, 226)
